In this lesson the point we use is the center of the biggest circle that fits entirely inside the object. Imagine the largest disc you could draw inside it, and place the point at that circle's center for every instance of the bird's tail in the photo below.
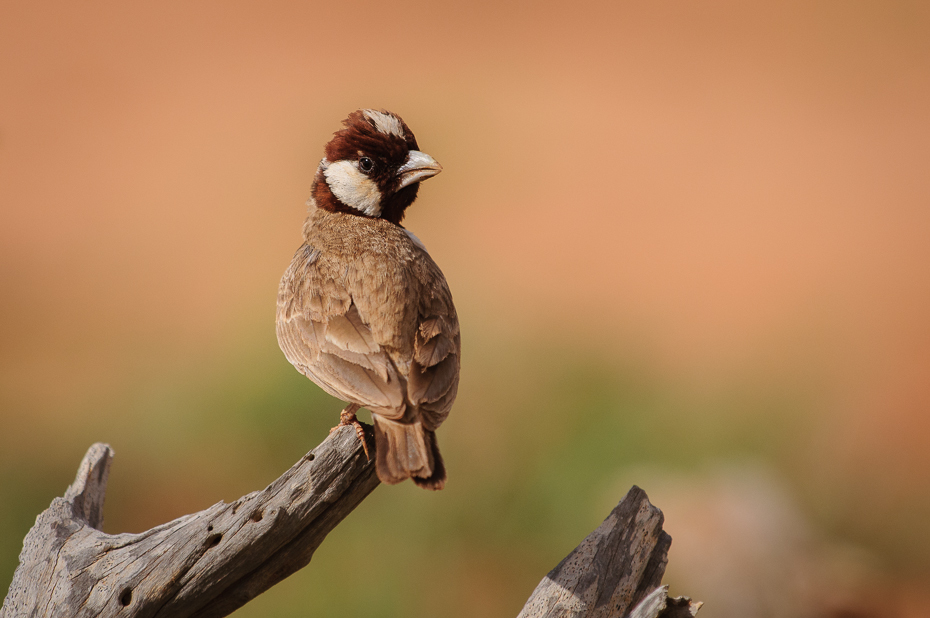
(407, 450)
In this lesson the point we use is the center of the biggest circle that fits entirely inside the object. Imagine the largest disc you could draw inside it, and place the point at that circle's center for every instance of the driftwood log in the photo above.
(210, 563)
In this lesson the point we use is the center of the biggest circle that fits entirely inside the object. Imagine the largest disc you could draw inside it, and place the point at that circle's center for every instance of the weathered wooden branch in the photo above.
(203, 565)
(210, 563)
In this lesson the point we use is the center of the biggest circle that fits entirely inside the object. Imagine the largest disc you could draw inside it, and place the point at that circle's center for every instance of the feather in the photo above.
(401, 450)
(429, 384)
(361, 385)
(433, 351)
(350, 333)
(429, 328)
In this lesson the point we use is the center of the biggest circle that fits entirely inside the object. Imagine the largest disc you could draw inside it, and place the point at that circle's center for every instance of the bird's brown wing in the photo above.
(323, 335)
(433, 379)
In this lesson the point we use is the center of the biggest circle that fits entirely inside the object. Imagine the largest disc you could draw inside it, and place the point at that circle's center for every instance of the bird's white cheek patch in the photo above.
(353, 188)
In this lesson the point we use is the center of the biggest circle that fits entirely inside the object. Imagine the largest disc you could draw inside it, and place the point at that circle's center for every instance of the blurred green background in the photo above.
(689, 244)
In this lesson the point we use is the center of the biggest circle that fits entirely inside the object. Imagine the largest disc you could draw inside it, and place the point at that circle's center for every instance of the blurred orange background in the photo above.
(689, 244)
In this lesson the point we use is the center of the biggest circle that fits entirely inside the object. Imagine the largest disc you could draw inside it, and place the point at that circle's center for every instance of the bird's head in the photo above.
(372, 167)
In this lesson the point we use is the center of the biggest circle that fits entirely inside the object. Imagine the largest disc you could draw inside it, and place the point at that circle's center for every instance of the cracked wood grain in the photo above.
(202, 565)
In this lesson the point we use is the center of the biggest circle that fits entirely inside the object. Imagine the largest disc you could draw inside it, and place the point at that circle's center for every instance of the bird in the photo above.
(363, 310)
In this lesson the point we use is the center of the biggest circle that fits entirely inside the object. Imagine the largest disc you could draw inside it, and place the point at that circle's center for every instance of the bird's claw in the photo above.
(347, 417)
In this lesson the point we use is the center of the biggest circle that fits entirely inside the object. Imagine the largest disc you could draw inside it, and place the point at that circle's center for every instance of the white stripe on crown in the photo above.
(385, 123)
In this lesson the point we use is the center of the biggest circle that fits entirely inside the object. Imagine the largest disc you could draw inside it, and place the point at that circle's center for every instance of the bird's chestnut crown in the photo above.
(372, 168)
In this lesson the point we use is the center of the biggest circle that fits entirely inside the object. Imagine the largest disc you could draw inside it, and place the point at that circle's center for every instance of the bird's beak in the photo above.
(418, 166)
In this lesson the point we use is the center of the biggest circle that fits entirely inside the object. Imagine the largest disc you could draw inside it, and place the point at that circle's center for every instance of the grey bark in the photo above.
(210, 563)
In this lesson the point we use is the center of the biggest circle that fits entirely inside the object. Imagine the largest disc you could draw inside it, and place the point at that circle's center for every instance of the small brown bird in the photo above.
(363, 310)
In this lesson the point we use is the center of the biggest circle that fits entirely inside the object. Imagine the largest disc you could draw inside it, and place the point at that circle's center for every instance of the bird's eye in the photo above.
(366, 165)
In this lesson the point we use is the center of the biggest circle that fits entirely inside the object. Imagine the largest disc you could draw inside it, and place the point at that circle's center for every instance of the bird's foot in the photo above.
(347, 417)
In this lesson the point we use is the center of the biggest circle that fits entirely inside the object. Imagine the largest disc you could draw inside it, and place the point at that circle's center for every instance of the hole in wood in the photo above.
(209, 528)
(125, 597)
(310, 457)
(214, 540)
(257, 515)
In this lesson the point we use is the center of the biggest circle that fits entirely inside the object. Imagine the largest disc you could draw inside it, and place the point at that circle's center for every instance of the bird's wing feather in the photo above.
(434, 371)
(322, 333)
